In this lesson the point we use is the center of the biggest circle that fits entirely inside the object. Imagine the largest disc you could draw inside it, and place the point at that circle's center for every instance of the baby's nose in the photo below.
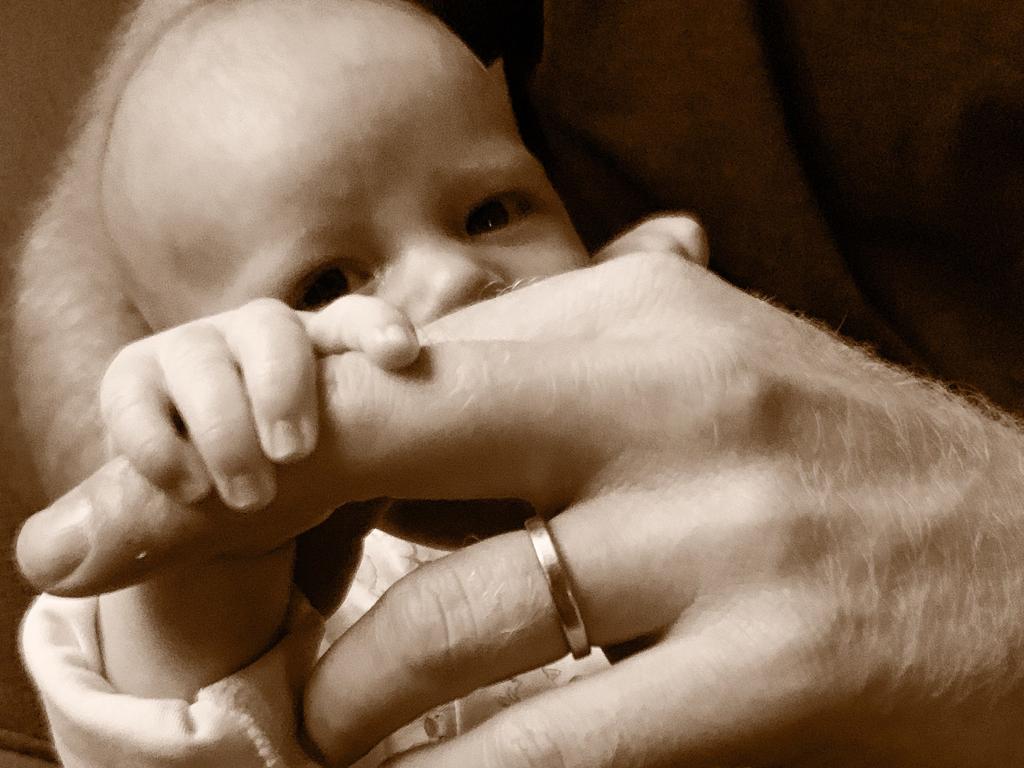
(427, 282)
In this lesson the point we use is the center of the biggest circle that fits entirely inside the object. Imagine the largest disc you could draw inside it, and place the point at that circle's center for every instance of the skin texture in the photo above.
(254, 148)
(818, 559)
(819, 564)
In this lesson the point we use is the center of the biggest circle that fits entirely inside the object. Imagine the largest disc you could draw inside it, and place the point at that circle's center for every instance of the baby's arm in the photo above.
(233, 379)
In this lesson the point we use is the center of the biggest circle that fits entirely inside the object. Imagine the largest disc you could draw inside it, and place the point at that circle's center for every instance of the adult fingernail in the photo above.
(54, 542)
(247, 491)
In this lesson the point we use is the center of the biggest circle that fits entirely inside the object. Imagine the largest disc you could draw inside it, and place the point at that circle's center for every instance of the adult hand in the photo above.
(115, 529)
(805, 557)
(814, 553)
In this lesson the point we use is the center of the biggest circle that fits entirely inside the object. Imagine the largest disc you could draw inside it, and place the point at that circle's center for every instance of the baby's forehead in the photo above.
(304, 41)
(260, 66)
(245, 79)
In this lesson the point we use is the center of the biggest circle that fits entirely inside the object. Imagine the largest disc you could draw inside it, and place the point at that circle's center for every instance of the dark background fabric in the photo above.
(48, 51)
(861, 163)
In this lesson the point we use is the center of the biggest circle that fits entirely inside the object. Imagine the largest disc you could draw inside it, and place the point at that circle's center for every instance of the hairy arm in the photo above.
(69, 319)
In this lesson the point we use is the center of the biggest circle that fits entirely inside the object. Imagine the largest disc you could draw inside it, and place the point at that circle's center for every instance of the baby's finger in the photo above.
(367, 324)
(205, 385)
(723, 694)
(139, 420)
(279, 374)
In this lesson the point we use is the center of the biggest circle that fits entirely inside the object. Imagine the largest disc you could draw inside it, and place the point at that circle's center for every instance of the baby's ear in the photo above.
(496, 72)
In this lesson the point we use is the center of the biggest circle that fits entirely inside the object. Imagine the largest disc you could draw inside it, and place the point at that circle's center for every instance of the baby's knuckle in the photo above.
(191, 346)
(155, 456)
(273, 382)
(221, 437)
(111, 398)
(123, 368)
(120, 405)
(125, 359)
(268, 309)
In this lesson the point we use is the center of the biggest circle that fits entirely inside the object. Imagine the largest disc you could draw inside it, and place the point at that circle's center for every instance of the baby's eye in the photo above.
(495, 213)
(327, 286)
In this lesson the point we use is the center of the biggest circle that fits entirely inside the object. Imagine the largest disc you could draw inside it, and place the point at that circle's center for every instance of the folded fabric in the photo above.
(248, 719)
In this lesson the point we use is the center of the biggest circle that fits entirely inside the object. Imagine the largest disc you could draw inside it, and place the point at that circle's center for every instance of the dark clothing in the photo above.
(862, 163)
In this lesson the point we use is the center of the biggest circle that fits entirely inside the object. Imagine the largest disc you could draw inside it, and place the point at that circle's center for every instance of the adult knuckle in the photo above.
(689, 225)
(525, 742)
(660, 266)
(436, 608)
(349, 387)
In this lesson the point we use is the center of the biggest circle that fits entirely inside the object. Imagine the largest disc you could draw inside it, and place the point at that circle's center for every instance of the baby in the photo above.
(284, 180)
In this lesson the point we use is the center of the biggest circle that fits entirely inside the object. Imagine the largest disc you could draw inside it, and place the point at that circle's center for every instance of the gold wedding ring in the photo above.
(559, 584)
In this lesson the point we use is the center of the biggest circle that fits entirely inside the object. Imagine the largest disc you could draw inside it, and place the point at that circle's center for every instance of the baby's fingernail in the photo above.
(53, 543)
(292, 439)
(308, 428)
(247, 491)
(286, 440)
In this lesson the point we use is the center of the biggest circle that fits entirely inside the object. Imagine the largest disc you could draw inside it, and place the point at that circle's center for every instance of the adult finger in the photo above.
(139, 418)
(473, 421)
(364, 323)
(206, 387)
(603, 299)
(368, 449)
(487, 419)
(483, 614)
(279, 375)
(727, 688)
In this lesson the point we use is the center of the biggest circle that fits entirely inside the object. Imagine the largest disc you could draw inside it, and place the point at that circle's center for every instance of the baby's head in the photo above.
(303, 149)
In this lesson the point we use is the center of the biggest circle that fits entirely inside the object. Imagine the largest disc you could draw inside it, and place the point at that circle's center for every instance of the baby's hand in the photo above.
(221, 398)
